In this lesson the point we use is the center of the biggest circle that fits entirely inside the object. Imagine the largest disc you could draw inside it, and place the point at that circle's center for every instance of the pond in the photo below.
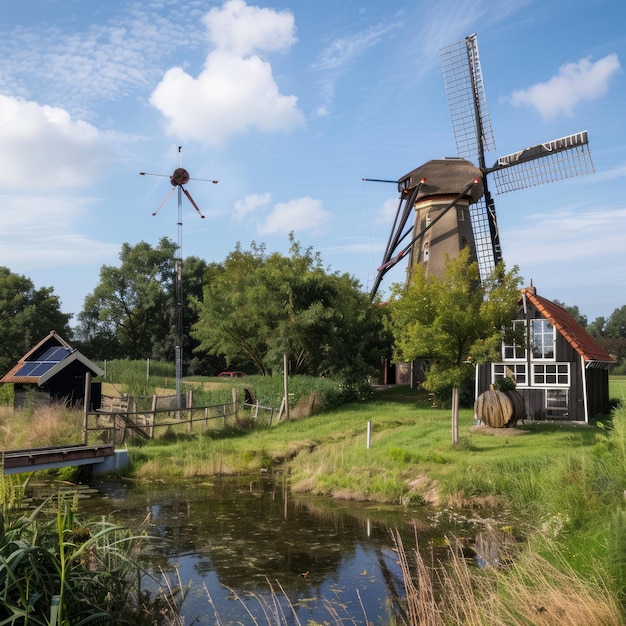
(250, 546)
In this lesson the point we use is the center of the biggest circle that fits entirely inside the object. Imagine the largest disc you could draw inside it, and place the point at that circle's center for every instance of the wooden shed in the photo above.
(53, 372)
(561, 372)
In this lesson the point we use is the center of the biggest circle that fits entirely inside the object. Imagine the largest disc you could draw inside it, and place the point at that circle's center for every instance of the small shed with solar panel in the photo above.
(53, 372)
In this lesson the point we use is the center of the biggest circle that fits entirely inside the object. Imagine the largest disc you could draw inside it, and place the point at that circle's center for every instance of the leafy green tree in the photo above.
(616, 324)
(452, 320)
(613, 339)
(259, 306)
(574, 311)
(27, 315)
(596, 328)
(132, 305)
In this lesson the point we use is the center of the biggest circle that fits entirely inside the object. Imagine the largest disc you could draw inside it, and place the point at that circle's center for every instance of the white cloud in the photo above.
(241, 29)
(344, 51)
(42, 146)
(250, 204)
(390, 209)
(234, 92)
(575, 82)
(582, 237)
(42, 231)
(336, 58)
(297, 215)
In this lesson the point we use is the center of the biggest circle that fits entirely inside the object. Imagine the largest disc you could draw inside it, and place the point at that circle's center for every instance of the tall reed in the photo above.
(59, 572)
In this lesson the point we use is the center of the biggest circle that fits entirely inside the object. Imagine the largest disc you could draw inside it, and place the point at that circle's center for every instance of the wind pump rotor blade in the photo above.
(170, 192)
(467, 101)
(544, 163)
(195, 206)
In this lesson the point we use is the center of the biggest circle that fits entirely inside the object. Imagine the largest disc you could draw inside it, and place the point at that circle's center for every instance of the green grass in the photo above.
(562, 484)
(617, 388)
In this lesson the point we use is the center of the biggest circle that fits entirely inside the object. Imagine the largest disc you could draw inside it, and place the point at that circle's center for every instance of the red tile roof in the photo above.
(584, 344)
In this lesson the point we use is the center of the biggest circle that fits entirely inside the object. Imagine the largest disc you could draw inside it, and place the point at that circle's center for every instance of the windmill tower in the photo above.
(431, 192)
(179, 177)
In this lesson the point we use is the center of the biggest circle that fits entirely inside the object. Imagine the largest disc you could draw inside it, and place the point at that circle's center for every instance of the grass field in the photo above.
(617, 387)
(564, 484)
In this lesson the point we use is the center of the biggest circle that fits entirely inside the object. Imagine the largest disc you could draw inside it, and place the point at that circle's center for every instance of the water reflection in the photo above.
(235, 535)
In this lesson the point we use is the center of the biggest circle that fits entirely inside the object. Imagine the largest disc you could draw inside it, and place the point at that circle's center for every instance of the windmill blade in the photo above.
(486, 235)
(195, 206)
(467, 102)
(171, 191)
(544, 163)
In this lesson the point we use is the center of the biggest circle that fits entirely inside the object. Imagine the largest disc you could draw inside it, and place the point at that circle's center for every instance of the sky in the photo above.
(289, 104)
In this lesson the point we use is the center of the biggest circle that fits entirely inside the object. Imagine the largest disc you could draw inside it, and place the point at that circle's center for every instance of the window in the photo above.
(516, 371)
(513, 347)
(425, 257)
(557, 402)
(543, 339)
(460, 214)
(551, 374)
(427, 219)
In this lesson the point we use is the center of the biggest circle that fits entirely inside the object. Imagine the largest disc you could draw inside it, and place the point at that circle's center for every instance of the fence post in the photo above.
(154, 409)
(235, 406)
(188, 401)
(87, 404)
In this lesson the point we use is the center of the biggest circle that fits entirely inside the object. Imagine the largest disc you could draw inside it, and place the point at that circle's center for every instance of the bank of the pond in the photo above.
(563, 482)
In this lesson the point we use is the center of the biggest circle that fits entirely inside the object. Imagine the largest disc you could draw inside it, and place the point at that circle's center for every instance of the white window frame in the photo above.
(519, 372)
(514, 352)
(540, 348)
(425, 252)
(552, 375)
(554, 402)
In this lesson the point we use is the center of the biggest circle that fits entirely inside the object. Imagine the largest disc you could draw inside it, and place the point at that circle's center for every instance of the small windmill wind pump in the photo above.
(179, 178)
(450, 197)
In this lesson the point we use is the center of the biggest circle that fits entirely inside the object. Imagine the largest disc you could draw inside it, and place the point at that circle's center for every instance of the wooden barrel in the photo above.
(499, 409)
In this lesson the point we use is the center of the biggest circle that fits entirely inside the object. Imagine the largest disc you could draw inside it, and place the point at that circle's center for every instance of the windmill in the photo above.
(179, 178)
(433, 189)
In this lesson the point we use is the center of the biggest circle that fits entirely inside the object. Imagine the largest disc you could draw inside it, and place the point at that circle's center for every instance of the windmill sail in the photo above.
(544, 163)
(467, 102)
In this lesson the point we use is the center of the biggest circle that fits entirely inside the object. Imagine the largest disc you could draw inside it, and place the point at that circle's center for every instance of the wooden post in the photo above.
(154, 409)
(235, 405)
(286, 376)
(455, 415)
(87, 406)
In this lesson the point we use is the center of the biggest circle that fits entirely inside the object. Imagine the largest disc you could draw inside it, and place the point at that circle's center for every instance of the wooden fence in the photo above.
(118, 419)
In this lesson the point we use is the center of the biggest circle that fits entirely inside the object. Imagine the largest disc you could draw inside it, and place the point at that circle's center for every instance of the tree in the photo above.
(450, 321)
(613, 339)
(574, 311)
(259, 306)
(27, 315)
(616, 324)
(596, 328)
(133, 304)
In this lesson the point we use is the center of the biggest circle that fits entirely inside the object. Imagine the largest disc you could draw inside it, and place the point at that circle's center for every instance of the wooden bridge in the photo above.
(103, 457)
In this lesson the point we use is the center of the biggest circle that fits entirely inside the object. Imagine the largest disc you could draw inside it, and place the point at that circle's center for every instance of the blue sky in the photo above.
(289, 104)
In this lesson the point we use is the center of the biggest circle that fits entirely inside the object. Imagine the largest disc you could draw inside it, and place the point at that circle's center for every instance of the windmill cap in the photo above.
(444, 177)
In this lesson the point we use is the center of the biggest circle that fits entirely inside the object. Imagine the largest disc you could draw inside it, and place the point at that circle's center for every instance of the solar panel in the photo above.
(44, 363)
(56, 354)
(26, 369)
